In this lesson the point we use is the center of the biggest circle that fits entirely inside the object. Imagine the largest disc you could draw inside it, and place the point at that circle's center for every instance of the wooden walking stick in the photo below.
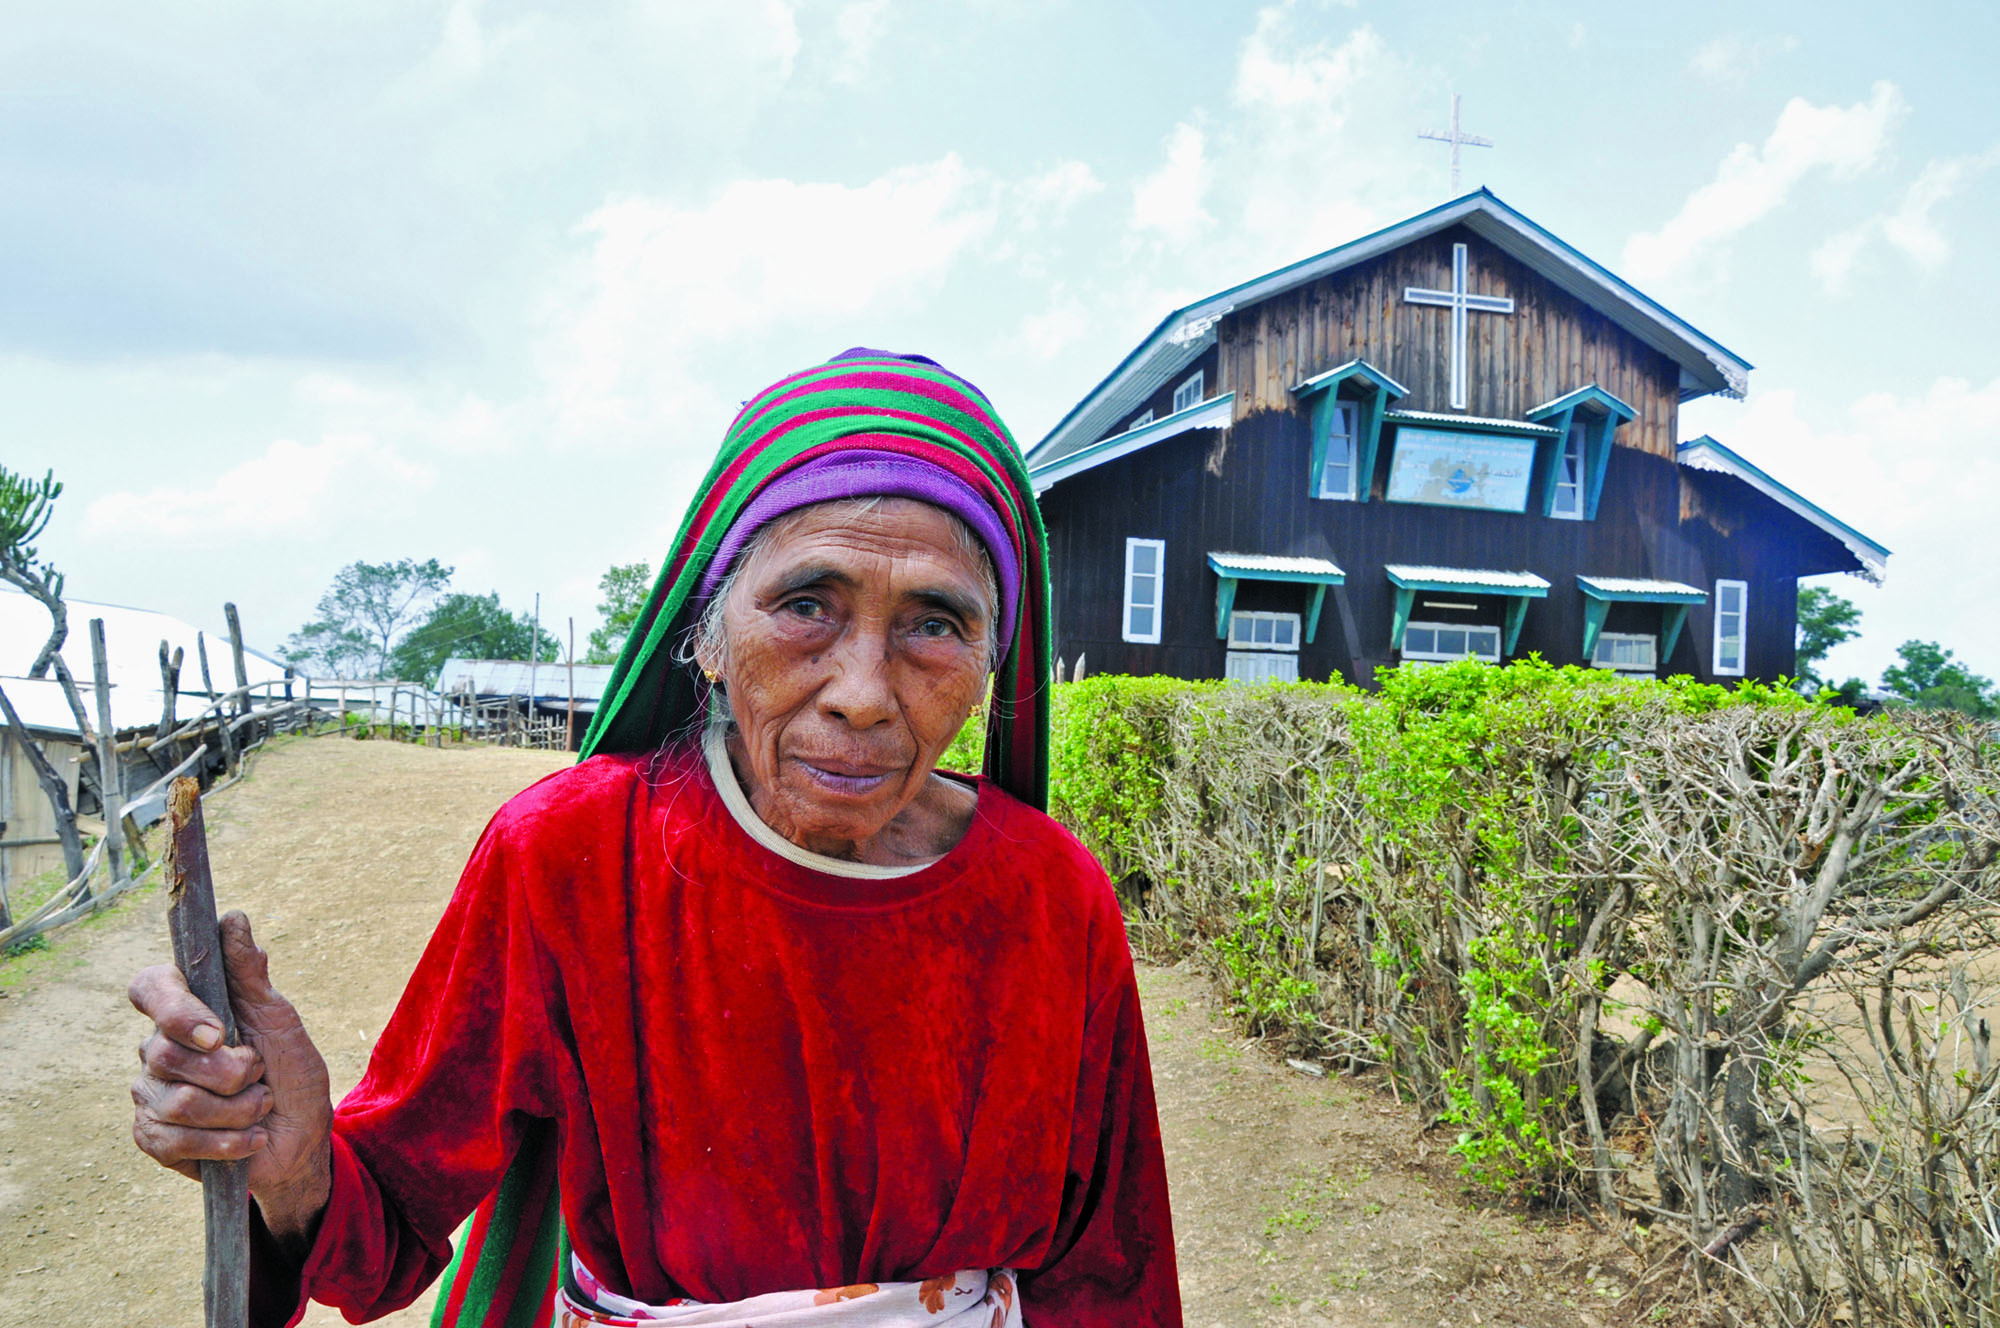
(225, 1186)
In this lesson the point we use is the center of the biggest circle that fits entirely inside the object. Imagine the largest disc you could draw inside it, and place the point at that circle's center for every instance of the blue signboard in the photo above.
(1449, 469)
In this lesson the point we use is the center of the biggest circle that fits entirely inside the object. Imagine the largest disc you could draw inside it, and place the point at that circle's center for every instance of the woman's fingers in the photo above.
(197, 1108)
(226, 1070)
(161, 994)
(183, 1148)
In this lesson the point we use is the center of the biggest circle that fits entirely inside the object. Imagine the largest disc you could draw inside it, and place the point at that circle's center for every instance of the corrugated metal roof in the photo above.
(1472, 578)
(132, 661)
(1211, 413)
(40, 704)
(1251, 563)
(1632, 585)
(1160, 358)
(131, 644)
(1467, 422)
(513, 677)
(1704, 453)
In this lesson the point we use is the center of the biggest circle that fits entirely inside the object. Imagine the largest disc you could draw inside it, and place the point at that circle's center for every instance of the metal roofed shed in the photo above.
(531, 701)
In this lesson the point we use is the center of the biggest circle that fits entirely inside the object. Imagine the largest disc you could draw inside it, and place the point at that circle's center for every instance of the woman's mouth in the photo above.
(841, 777)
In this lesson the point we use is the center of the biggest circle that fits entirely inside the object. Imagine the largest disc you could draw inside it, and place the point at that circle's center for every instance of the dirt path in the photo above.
(1296, 1200)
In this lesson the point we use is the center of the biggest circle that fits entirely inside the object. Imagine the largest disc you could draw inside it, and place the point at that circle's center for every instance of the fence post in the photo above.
(108, 792)
(236, 657)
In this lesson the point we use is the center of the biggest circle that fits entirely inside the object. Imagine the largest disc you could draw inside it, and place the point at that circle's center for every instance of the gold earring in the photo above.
(712, 676)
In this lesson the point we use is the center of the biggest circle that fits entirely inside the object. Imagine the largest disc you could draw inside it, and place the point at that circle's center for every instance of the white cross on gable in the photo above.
(1461, 302)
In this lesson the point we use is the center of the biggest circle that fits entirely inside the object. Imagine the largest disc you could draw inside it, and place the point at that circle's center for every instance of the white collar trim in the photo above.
(715, 749)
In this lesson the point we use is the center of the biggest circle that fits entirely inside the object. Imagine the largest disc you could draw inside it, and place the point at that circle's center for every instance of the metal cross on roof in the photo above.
(1461, 302)
(1457, 138)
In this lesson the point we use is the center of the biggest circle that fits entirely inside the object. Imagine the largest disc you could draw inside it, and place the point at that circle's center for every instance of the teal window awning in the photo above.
(1601, 414)
(1231, 569)
(1516, 587)
(1373, 391)
(1673, 597)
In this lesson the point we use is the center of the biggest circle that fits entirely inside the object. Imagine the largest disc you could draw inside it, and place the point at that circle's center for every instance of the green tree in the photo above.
(25, 508)
(357, 619)
(1930, 678)
(1825, 620)
(624, 587)
(471, 627)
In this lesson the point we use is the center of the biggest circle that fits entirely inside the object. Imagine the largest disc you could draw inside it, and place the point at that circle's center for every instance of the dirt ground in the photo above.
(1296, 1199)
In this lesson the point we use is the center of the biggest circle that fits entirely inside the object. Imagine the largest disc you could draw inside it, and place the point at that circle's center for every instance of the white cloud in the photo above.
(1733, 58)
(1894, 467)
(1753, 181)
(661, 280)
(1047, 334)
(1833, 262)
(293, 489)
(1908, 227)
(858, 26)
(1168, 202)
(1322, 151)
(1045, 200)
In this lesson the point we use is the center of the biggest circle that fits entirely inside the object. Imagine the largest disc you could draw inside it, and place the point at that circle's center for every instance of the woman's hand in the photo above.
(266, 1100)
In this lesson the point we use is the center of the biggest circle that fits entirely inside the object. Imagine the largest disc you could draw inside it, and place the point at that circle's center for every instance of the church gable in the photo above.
(1525, 341)
(1454, 438)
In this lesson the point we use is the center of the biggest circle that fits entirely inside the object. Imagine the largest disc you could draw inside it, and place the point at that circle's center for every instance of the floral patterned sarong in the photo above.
(973, 1298)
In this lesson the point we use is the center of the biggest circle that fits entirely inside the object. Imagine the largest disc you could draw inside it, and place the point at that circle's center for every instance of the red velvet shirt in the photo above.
(764, 1077)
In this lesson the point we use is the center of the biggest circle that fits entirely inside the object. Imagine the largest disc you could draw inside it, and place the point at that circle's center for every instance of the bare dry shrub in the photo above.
(1706, 958)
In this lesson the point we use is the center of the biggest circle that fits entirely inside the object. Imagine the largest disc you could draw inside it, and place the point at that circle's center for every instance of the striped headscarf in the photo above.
(861, 402)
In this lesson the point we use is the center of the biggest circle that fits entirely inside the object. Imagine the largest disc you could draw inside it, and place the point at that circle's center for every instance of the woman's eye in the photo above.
(805, 606)
(935, 627)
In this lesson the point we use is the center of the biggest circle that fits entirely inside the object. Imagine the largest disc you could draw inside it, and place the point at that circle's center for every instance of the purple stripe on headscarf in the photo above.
(866, 473)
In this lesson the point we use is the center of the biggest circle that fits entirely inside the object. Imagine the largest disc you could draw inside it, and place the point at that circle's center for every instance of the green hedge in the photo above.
(1551, 903)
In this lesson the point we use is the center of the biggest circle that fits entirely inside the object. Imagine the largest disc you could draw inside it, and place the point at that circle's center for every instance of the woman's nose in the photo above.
(859, 691)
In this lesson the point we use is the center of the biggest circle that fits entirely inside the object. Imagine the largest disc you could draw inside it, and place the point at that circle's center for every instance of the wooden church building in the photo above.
(1454, 437)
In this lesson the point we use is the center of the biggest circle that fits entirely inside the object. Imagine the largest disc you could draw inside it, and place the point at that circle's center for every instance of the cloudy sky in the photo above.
(284, 286)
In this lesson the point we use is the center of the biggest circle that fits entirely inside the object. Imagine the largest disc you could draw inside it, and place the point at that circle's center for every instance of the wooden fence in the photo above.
(129, 776)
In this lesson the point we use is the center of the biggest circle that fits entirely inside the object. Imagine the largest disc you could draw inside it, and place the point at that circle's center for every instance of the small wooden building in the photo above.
(1454, 437)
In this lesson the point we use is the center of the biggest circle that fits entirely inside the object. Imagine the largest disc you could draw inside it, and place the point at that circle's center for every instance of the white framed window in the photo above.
(1261, 666)
(1627, 652)
(1189, 392)
(1145, 563)
(1732, 608)
(1447, 643)
(1337, 472)
(1568, 502)
(1140, 421)
(1254, 630)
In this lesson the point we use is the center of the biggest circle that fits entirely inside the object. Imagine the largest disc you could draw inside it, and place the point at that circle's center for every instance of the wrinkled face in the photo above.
(857, 645)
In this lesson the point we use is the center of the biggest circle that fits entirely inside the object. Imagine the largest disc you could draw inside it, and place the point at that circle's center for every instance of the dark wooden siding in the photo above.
(1258, 503)
(1551, 344)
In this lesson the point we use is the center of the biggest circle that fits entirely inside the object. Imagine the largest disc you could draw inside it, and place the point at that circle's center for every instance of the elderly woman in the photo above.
(792, 1024)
